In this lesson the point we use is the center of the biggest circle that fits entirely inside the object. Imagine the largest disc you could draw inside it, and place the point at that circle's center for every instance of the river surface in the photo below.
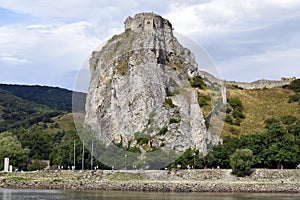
(22, 194)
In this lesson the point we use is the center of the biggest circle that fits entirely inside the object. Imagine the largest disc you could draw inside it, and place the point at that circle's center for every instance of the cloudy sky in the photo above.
(46, 42)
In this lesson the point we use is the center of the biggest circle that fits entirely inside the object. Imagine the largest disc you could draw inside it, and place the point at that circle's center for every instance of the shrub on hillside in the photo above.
(288, 119)
(270, 121)
(295, 85)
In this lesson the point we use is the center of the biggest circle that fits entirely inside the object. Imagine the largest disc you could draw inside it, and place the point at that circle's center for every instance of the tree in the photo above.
(11, 148)
(241, 161)
(38, 141)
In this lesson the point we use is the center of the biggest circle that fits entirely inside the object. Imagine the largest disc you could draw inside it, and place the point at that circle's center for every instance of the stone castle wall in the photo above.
(147, 21)
(260, 84)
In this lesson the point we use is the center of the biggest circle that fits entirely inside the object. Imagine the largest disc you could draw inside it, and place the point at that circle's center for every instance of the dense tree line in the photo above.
(274, 148)
(278, 146)
(23, 145)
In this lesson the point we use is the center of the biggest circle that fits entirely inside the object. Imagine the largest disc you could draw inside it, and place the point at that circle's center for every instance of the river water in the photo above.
(24, 194)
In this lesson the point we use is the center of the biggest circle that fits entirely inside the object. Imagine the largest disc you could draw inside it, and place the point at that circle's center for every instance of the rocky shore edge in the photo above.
(219, 180)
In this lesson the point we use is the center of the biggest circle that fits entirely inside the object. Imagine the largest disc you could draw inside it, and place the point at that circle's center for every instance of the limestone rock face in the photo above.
(140, 96)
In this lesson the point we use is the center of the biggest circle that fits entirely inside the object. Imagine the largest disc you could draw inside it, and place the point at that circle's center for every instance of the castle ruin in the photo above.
(147, 21)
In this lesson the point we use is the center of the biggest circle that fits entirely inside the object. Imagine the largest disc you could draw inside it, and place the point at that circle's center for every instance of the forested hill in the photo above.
(16, 112)
(52, 97)
(24, 106)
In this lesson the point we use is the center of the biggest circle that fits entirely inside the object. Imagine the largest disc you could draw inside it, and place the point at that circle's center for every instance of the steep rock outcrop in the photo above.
(139, 96)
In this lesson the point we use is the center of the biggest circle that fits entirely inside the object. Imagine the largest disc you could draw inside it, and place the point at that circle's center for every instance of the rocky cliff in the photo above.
(140, 97)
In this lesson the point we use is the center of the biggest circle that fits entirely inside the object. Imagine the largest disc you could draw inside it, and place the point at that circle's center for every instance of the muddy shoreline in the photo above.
(206, 180)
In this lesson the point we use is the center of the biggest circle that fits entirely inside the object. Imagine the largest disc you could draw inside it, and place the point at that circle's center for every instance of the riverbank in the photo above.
(205, 180)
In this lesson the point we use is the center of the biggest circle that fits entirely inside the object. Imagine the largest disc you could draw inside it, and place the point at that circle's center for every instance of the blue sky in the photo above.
(46, 42)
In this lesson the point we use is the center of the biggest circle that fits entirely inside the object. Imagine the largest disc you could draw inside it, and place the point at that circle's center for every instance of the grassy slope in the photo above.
(65, 123)
(261, 104)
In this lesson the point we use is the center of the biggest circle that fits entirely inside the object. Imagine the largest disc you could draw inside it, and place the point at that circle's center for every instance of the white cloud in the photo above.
(49, 43)
(246, 39)
(241, 36)
(270, 65)
(220, 17)
(11, 60)
(45, 51)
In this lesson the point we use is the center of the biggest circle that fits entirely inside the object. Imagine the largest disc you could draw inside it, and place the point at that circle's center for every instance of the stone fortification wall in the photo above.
(147, 21)
(260, 84)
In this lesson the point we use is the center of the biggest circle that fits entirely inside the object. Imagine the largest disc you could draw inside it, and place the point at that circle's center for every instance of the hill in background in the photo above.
(52, 97)
(24, 106)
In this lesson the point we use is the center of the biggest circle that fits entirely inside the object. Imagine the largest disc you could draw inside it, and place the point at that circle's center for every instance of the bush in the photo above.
(294, 98)
(241, 161)
(234, 131)
(235, 103)
(234, 111)
(295, 85)
(237, 113)
(288, 120)
(198, 82)
(228, 120)
(203, 100)
(37, 165)
(270, 121)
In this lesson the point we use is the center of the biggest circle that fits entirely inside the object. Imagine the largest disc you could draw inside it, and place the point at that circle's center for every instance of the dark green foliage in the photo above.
(132, 149)
(63, 154)
(234, 130)
(174, 121)
(288, 120)
(57, 138)
(52, 97)
(241, 161)
(197, 81)
(36, 165)
(17, 112)
(163, 131)
(269, 122)
(169, 102)
(229, 120)
(37, 141)
(273, 148)
(203, 100)
(219, 156)
(237, 87)
(237, 113)
(234, 111)
(169, 93)
(11, 148)
(189, 158)
(235, 103)
(294, 98)
(295, 85)
(141, 138)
